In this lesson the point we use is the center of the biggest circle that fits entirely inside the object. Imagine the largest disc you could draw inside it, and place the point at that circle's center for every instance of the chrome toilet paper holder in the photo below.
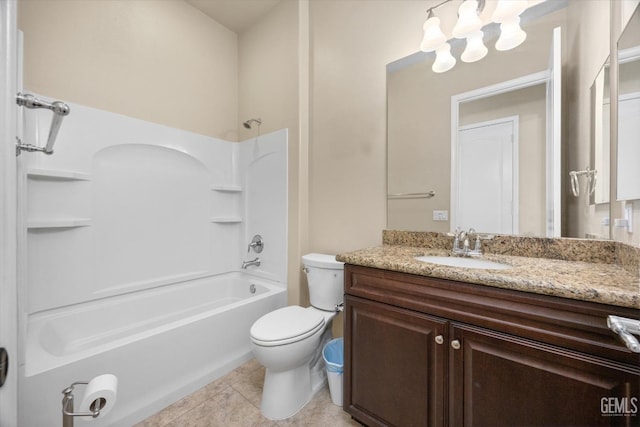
(67, 406)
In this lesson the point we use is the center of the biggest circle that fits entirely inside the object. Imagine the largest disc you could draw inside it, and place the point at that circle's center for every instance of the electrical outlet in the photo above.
(620, 223)
(441, 215)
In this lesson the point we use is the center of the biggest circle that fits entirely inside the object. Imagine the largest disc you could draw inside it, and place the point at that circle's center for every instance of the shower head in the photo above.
(247, 124)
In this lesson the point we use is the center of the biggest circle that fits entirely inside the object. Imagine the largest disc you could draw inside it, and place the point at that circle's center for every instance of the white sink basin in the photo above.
(463, 262)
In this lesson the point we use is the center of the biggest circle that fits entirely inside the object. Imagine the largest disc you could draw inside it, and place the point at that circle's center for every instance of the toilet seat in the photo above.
(286, 325)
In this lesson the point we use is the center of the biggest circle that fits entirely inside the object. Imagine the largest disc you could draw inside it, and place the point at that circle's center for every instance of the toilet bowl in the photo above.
(288, 342)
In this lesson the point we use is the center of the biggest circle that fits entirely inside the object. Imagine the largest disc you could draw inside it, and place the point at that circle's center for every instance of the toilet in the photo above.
(288, 342)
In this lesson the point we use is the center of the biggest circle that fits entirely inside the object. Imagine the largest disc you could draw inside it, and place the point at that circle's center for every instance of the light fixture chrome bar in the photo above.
(481, 4)
(427, 195)
(624, 327)
(59, 109)
(430, 10)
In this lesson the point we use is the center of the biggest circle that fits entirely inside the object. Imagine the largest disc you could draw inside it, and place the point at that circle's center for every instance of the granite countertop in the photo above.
(601, 282)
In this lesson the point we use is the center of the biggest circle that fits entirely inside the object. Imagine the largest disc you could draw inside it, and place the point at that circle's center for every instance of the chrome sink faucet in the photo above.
(462, 238)
(255, 262)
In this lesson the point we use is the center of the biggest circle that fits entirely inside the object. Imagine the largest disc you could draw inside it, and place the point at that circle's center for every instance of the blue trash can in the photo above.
(333, 355)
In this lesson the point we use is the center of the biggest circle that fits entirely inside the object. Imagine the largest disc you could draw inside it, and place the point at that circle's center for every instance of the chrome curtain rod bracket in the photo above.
(59, 109)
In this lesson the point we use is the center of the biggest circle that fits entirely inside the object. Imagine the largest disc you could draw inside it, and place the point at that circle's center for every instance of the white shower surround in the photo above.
(129, 212)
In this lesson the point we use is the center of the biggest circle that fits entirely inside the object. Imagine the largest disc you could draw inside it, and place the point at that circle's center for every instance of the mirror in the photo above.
(600, 145)
(438, 178)
(628, 172)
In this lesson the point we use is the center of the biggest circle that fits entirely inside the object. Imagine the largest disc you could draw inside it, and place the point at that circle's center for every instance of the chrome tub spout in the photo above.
(255, 262)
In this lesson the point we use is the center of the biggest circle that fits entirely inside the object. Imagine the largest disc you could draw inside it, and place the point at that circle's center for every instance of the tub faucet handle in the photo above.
(256, 243)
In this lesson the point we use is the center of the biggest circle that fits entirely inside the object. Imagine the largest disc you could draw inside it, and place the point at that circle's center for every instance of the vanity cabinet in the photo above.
(396, 368)
(430, 352)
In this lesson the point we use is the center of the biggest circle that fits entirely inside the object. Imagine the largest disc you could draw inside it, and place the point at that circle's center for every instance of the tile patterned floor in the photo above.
(234, 400)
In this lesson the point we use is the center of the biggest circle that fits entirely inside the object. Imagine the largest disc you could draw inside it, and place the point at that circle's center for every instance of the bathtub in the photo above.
(162, 344)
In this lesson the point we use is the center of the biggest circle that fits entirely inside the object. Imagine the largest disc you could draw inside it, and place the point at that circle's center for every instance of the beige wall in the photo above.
(352, 41)
(166, 62)
(115, 54)
(587, 52)
(269, 89)
(129, 57)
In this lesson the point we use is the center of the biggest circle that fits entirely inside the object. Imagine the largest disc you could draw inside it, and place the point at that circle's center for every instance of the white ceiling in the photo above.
(236, 15)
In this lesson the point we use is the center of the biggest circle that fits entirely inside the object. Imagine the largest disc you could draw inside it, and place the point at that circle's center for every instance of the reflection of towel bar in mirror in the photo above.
(427, 195)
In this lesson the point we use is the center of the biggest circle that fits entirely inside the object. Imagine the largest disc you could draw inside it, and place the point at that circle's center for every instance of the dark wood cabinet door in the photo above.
(394, 365)
(501, 380)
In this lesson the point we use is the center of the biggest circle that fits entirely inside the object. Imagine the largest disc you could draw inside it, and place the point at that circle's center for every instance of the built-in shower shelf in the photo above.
(226, 219)
(58, 175)
(227, 188)
(59, 223)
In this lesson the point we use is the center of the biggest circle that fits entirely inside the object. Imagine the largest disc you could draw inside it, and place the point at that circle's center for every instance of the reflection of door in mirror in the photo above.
(485, 178)
(525, 98)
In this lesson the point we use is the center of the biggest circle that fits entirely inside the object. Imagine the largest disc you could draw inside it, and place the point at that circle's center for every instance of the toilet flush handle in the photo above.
(306, 270)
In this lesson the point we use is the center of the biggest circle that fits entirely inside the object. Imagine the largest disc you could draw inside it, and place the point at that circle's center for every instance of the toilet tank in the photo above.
(325, 277)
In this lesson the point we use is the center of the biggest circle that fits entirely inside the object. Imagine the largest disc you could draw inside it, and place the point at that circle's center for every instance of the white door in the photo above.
(8, 288)
(487, 177)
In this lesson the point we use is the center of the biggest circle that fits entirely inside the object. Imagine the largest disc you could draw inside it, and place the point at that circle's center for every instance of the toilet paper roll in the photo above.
(100, 393)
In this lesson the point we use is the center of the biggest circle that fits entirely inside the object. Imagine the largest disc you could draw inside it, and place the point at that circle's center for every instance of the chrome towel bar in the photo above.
(60, 109)
(427, 195)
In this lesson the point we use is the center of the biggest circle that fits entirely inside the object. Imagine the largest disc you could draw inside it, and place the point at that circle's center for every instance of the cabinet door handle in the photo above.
(439, 339)
(455, 344)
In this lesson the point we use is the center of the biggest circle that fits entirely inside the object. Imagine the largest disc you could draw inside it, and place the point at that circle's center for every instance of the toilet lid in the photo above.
(288, 324)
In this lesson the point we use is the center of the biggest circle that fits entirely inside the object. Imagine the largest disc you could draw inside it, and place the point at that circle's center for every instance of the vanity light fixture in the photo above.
(511, 35)
(507, 13)
(469, 27)
(433, 35)
(475, 50)
(468, 19)
(444, 60)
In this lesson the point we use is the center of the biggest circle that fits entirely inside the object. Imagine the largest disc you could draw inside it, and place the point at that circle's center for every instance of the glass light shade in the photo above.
(444, 60)
(468, 20)
(475, 50)
(508, 9)
(511, 35)
(433, 35)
